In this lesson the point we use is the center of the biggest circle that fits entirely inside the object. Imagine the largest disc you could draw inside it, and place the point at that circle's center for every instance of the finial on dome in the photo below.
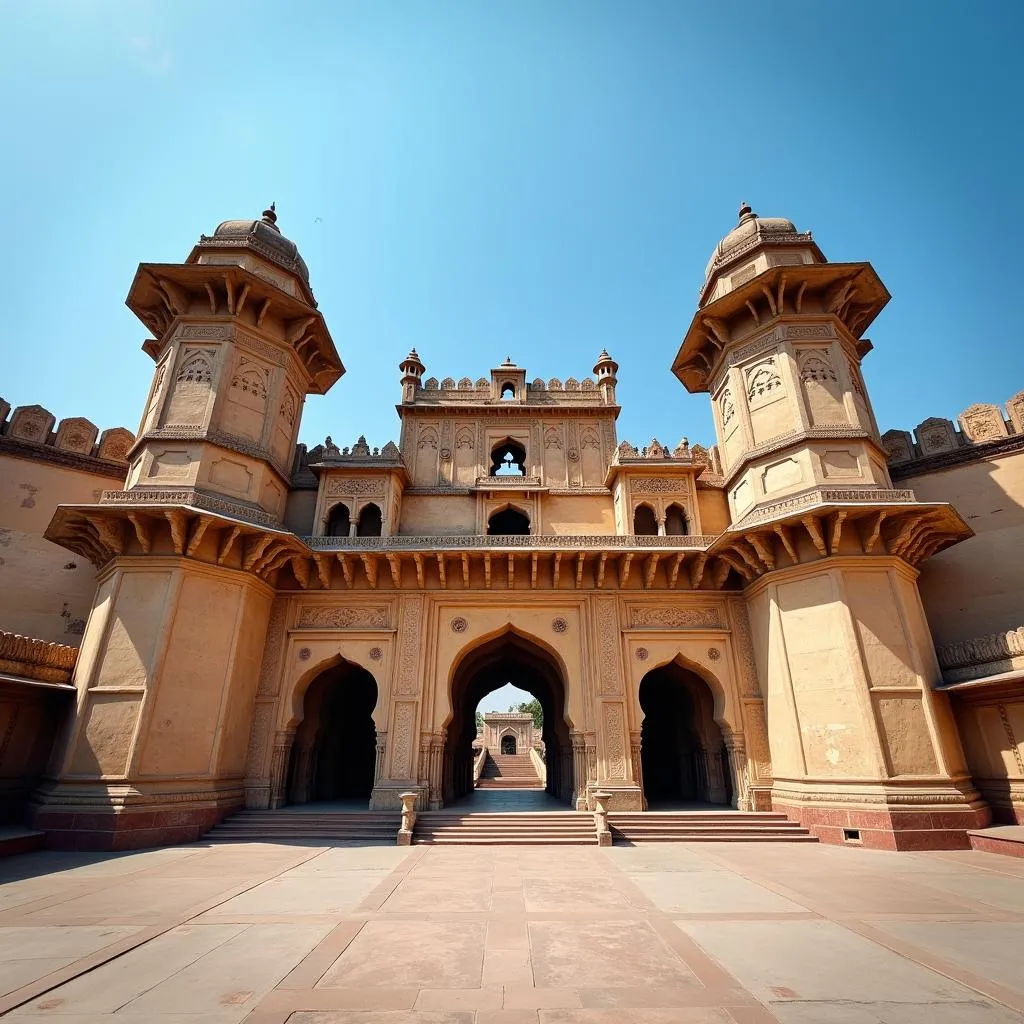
(270, 215)
(746, 213)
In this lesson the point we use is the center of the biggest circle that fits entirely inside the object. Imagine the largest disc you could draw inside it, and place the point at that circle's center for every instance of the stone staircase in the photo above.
(706, 827)
(327, 826)
(509, 771)
(521, 828)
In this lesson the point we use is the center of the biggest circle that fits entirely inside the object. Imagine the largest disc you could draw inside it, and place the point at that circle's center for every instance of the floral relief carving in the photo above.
(428, 437)
(815, 365)
(983, 423)
(728, 407)
(251, 380)
(345, 617)
(676, 618)
(614, 737)
(552, 438)
(763, 382)
(407, 680)
(341, 486)
(608, 637)
(197, 368)
(743, 645)
(401, 742)
(270, 667)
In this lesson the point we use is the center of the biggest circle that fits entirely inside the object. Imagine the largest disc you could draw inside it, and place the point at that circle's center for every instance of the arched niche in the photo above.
(371, 520)
(509, 521)
(508, 458)
(339, 520)
(645, 523)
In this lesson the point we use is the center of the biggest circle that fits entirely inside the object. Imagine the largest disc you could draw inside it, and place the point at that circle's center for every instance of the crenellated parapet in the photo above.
(980, 431)
(32, 432)
(29, 658)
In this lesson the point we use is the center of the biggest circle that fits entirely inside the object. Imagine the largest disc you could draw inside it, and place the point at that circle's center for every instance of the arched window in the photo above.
(508, 390)
(644, 523)
(508, 522)
(338, 521)
(369, 522)
(508, 458)
(675, 521)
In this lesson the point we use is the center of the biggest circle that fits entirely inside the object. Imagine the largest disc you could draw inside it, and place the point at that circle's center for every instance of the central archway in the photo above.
(682, 749)
(508, 658)
(334, 752)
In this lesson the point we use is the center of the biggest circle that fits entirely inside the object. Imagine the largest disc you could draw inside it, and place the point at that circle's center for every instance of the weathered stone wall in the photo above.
(45, 591)
(974, 589)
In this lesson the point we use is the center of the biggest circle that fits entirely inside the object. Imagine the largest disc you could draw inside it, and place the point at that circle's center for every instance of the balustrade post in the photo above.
(604, 835)
(408, 818)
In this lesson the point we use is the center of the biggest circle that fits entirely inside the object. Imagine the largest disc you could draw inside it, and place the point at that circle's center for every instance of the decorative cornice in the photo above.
(192, 498)
(482, 542)
(36, 659)
(230, 442)
(33, 452)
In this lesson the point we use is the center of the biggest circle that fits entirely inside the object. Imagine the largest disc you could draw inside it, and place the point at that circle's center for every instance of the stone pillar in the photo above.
(638, 765)
(280, 758)
(712, 758)
(738, 768)
(579, 770)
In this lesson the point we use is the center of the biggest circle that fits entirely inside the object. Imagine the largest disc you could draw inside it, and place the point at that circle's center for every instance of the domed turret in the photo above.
(262, 237)
(754, 245)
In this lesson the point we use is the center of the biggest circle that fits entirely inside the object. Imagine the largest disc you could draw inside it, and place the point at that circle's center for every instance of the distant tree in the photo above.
(479, 722)
(531, 707)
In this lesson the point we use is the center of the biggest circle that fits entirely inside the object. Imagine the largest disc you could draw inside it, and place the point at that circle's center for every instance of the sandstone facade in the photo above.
(743, 624)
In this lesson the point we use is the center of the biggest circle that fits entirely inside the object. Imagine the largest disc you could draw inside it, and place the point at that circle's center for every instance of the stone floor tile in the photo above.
(555, 895)
(660, 857)
(23, 943)
(237, 973)
(15, 973)
(381, 1017)
(459, 999)
(973, 1012)
(705, 892)
(117, 983)
(1000, 891)
(142, 899)
(521, 998)
(302, 894)
(456, 895)
(590, 953)
(817, 960)
(640, 1015)
(989, 949)
(413, 954)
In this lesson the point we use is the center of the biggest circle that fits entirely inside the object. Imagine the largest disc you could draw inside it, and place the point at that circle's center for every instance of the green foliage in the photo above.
(531, 707)
(479, 721)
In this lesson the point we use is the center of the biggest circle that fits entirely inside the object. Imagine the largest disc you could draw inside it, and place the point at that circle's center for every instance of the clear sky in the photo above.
(534, 178)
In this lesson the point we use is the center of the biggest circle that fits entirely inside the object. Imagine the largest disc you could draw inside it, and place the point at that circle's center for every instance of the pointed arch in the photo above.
(645, 523)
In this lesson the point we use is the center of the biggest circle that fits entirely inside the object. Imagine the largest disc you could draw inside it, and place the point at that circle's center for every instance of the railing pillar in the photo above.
(604, 835)
(408, 818)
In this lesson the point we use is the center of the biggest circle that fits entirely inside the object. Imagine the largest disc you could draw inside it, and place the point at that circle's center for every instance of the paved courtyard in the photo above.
(218, 933)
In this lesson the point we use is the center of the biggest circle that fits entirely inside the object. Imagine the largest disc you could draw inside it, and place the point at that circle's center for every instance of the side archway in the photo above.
(683, 751)
(334, 751)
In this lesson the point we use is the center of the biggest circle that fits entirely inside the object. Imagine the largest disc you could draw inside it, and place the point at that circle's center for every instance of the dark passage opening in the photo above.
(682, 750)
(508, 522)
(334, 753)
(508, 744)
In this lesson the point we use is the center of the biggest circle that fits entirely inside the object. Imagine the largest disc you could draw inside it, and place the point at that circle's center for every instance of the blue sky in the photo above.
(534, 179)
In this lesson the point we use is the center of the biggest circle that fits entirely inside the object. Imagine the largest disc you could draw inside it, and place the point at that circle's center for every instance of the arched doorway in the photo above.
(334, 753)
(508, 658)
(370, 521)
(682, 750)
(644, 522)
(508, 744)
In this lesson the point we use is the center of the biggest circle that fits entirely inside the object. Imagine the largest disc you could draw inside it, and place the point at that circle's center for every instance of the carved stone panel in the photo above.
(76, 435)
(407, 680)
(344, 617)
(403, 720)
(1015, 409)
(743, 645)
(614, 740)
(115, 444)
(935, 436)
(31, 423)
(983, 423)
(609, 671)
(270, 667)
(898, 445)
(673, 617)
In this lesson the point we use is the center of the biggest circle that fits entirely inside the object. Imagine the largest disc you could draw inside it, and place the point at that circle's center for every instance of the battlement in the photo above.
(539, 392)
(32, 432)
(936, 442)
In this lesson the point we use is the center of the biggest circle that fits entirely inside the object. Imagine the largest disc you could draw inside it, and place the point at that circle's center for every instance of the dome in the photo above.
(750, 230)
(265, 237)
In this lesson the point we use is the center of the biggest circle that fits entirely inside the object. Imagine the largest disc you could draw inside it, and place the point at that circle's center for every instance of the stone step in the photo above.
(704, 826)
